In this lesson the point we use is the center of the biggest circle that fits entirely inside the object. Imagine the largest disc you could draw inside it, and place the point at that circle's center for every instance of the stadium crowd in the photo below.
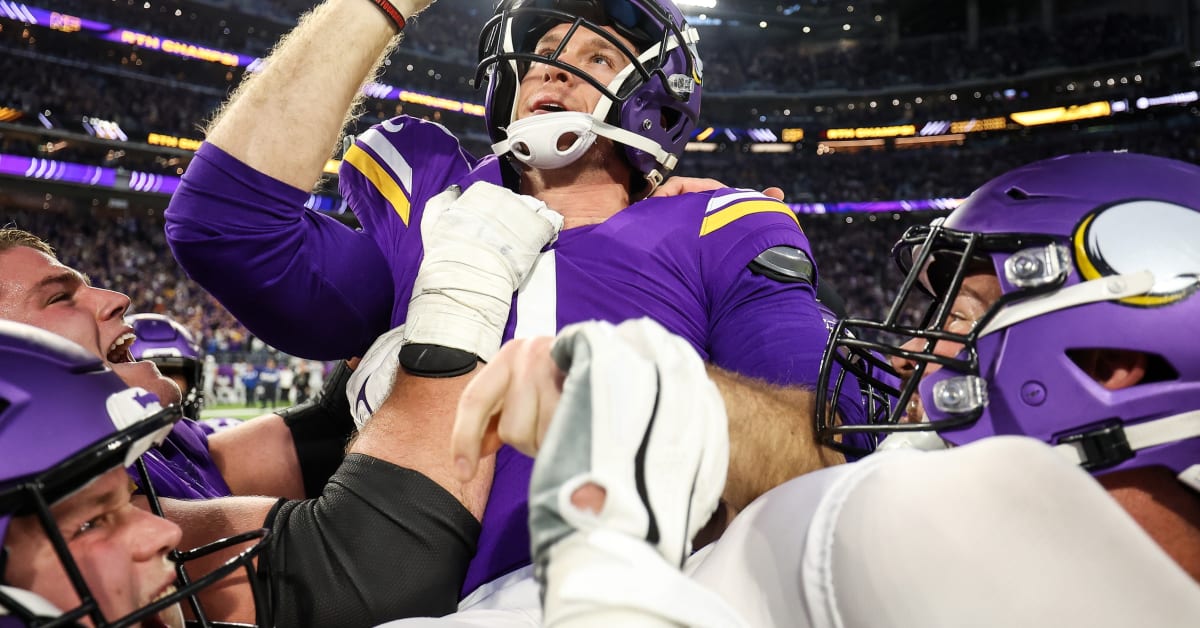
(791, 64)
(131, 253)
(659, 411)
(147, 92)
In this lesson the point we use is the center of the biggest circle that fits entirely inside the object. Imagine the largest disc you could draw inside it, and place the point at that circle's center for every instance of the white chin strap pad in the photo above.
(534, 140)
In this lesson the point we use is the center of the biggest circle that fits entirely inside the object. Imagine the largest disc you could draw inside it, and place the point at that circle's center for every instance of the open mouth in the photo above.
(547, 105)
(118, 351)
(169, 617)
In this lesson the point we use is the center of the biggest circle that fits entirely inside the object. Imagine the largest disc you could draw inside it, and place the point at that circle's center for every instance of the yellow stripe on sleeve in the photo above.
(726, 215)
(375, 173)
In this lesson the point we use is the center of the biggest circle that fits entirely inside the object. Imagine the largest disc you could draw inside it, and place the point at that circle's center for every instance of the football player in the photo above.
(590, 104)
(169, 345)
(75, 547)
(304, 446)
(1052, 363)
(1055, 360)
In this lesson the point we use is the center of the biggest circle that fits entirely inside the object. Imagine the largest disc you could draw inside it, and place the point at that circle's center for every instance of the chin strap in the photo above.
(1098, 448)
(34, 604)
(920, 440)
(534, 140)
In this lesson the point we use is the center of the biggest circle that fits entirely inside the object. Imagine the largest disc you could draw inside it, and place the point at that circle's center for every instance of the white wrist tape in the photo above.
(371, 383)
(479, 247)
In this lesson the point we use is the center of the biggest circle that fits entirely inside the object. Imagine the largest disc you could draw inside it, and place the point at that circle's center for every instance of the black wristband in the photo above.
(392, 12)
(435, 361)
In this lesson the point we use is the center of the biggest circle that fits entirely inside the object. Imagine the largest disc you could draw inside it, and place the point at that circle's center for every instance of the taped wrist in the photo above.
(320, 428)
(435, 361)
(392, 12)
(381, 542)
(480, 246)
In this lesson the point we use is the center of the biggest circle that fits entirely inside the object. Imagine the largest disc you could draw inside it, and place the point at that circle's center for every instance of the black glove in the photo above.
(321, 427)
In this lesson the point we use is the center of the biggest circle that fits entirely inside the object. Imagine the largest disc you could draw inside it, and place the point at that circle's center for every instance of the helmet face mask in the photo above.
(68, 421)
(650, 107)
(1065, 244)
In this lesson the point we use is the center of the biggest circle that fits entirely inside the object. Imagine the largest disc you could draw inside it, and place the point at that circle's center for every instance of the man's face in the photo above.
(976, 295)
(37, 290)
(121, 551)
(547, 89)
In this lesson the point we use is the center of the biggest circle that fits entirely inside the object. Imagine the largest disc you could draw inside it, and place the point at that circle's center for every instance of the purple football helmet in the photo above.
(169, 345)
(1094, 254)
(66, 419)
(651, 107)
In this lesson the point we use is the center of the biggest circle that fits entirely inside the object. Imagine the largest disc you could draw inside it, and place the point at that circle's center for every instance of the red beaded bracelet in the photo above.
(390, 10)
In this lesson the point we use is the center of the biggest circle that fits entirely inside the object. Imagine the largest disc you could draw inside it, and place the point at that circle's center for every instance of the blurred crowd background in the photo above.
(79, 86)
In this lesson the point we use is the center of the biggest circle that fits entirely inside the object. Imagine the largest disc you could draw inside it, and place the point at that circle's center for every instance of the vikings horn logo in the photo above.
(1136, 235)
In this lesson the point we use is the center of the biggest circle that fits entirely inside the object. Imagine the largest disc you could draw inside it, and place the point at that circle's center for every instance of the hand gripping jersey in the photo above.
(681, 260)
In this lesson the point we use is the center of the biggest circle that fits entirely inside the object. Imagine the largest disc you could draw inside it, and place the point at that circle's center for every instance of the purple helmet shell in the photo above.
(65, 419)
(659, 98)
(1095, 254)
(162, 340)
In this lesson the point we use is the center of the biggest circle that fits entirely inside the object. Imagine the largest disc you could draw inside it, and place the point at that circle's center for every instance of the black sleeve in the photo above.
(320, 428)
(381, 543)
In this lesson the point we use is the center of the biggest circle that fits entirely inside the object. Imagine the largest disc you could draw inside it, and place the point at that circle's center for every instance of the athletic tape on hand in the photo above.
(479, 247)
(370, 383)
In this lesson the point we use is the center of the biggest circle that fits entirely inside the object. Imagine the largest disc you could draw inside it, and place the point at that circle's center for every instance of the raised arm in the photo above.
(298, 279)
(285, 120)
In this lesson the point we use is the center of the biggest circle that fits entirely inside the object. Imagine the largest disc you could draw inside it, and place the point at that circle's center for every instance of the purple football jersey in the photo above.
(682, 261)
(182, 467)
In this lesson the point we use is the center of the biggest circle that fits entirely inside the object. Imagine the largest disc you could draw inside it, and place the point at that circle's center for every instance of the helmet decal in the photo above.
(1080, 256)
(1136, 235)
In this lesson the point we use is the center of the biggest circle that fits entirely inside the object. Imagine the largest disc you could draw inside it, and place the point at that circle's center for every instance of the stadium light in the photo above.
(703, 4)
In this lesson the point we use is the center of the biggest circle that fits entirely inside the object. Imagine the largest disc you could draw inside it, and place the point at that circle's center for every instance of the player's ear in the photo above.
(1113, 369)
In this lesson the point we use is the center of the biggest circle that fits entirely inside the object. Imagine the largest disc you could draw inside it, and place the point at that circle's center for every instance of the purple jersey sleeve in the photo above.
(298, 279)
(182, 467)
(387, 177)
(758, 326)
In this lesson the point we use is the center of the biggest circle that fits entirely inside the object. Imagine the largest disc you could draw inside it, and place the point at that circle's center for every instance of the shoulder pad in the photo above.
(785, 264)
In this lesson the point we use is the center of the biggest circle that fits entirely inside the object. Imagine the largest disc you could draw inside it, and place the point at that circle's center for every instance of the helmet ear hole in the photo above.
(1097, 364)
(670, 121)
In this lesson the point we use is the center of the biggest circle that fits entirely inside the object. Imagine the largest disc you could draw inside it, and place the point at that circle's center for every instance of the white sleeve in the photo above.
(999, 533)
(996, 534)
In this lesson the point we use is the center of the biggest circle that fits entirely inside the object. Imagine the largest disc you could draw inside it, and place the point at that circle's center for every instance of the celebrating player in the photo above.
(590, 105)
(75, 547)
